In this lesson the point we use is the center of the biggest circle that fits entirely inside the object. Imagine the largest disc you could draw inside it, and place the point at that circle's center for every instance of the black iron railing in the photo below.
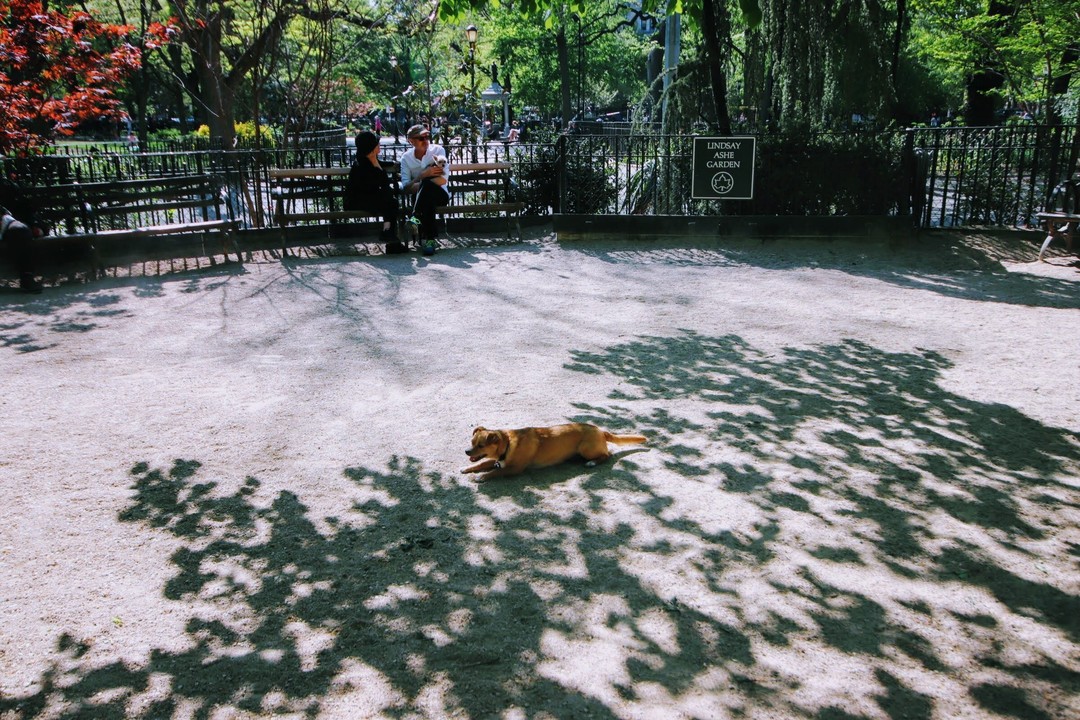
(939, 177)
(998, 176)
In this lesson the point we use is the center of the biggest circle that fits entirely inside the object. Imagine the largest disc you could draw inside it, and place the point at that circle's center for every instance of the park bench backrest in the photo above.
(60, 207)
(476, 183)
(316, 189)
(154, 201)
(1065, 198)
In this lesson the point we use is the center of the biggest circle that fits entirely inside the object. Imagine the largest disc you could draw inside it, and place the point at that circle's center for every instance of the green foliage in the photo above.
(245, 133)
(170, 134)
(800, 65)
(1028, 47)
(536, 176)
(589, 187)
(613, 55)
(828, 174)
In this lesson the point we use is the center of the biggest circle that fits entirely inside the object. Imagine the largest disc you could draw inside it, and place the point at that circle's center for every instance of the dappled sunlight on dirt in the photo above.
(817, 531)
(860, 496)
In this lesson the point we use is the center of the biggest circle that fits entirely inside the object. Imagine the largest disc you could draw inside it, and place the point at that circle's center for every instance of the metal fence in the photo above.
(828, 174)
(940, 177)
(244, 173)
(998, 176)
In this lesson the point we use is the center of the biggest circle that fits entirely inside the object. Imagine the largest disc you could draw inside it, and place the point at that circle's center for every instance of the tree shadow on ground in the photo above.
(29, 323)
(926, 485)
(953, 265)
(821, 532)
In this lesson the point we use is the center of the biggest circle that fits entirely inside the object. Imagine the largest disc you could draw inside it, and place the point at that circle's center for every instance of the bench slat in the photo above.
(327, 215)
(479, 208)
(479, 167)
(173, 229)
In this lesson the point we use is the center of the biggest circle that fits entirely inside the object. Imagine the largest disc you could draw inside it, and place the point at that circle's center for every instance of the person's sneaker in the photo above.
(28, 284)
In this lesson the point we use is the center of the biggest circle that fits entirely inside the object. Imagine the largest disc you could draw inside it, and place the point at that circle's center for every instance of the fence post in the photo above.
(907, 163)
(560, 172)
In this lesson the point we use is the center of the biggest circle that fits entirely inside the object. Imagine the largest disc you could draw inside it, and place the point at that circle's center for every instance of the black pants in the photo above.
(385, 206)
(429, 197)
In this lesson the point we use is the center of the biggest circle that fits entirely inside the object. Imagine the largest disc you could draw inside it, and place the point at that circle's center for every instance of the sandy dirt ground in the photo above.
(235, 493)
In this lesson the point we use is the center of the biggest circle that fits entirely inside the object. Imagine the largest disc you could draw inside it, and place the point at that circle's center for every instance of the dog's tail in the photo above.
(624, 439)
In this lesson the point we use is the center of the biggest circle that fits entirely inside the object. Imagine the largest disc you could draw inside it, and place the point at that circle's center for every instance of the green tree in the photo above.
(1022, 52)
(59, 68)
(595, 54)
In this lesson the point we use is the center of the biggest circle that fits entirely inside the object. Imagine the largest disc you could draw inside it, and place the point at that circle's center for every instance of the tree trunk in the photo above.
(564, 74)
(714, 27)
(217, 99)
(983, 82)
(1059, 86)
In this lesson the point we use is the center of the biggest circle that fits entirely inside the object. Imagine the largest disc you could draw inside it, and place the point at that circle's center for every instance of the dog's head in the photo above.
(439, 160)
(485, 444)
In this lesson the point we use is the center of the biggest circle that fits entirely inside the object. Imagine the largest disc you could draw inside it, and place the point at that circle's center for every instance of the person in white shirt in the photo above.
(425, 173)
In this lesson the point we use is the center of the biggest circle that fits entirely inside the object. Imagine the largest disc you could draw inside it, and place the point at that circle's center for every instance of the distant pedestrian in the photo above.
(378, 125)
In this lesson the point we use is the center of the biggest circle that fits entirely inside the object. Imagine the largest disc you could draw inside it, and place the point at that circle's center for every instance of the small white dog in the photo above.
(439, 160)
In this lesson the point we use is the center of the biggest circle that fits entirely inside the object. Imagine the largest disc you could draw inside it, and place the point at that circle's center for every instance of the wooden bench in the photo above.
(67, 244)
(87, 218)
(316, 195)
(312, 195)
(1061, 216)
(483, 189)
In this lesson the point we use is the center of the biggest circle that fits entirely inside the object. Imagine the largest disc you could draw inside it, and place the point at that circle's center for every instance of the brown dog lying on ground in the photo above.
(498, 453)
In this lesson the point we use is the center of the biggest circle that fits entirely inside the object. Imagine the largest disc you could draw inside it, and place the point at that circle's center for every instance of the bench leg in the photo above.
(226, 246)
(283, 229)
(445, 220)
(228, 243)
(97, 268)
(1046, 243)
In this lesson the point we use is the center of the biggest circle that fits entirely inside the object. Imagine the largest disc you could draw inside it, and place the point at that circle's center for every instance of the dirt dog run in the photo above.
(235, 493)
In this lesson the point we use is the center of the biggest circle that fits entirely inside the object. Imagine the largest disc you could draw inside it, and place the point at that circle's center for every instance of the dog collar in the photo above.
(501, 458)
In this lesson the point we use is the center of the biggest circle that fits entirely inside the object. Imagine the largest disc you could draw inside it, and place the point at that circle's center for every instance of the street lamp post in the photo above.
(471, 34)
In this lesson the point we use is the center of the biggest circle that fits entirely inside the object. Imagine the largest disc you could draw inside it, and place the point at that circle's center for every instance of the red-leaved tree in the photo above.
(58, 70)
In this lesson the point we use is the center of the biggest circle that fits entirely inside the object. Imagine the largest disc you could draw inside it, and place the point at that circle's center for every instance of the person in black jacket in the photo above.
(18, 229)
(370, 188)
